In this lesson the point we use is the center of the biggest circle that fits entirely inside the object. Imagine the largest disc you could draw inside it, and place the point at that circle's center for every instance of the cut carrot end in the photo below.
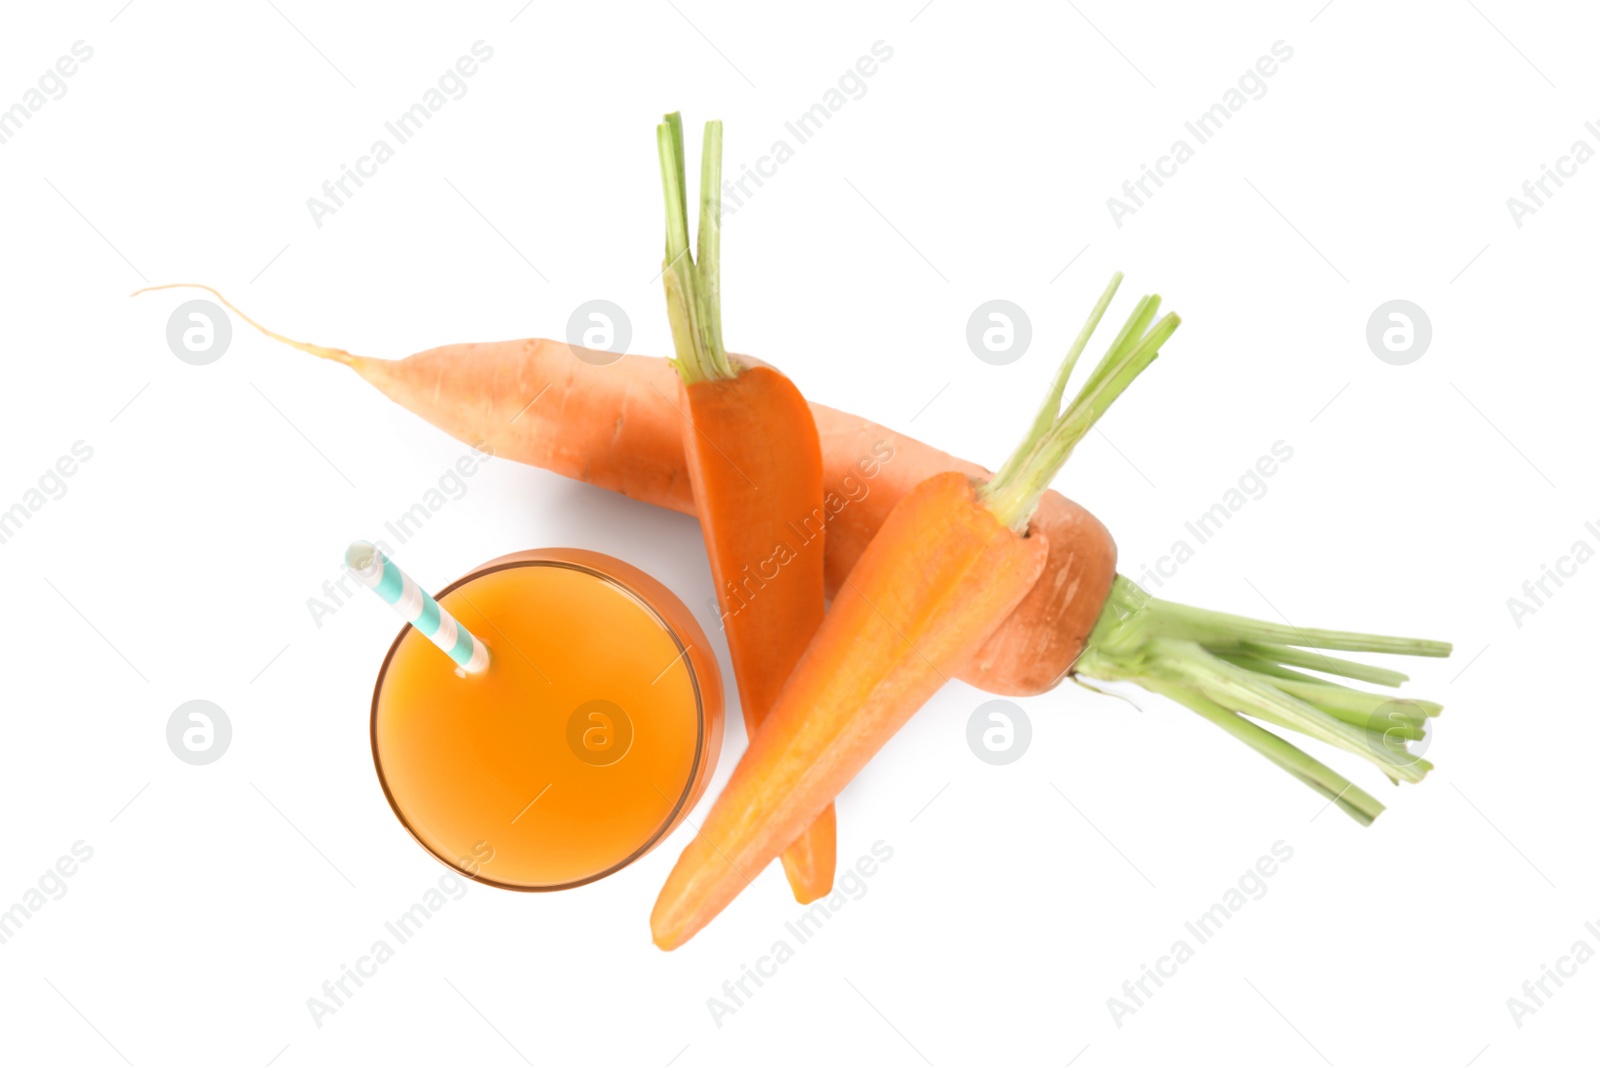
(338, 355)
(805, 893)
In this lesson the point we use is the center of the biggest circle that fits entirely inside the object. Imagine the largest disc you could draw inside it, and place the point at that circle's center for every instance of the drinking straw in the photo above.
(413, 604)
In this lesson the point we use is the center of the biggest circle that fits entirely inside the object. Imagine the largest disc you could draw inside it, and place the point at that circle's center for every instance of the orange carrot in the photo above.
(755, 465)
(953, 559)
(617, 424)
(930, 588)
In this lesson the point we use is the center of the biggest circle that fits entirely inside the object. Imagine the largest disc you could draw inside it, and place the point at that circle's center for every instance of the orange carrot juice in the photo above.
(589, 737)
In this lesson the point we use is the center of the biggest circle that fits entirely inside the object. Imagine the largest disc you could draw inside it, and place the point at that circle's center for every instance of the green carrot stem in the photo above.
(1239, 689)
(1144, 312)
(1317, 661)
(674, 123)
(708, 249)
(694, 288)
(1364, 710)
(1374, 711)
(1265, 666)
(1050, 410)
(1354, 705)
(1205, 626)
(1351, 799)
(1013, 494)
(1226, 667)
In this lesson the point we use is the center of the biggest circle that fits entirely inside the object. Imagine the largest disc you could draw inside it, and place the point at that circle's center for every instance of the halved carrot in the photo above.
(755, 465)
(951, 562)
(936, 580)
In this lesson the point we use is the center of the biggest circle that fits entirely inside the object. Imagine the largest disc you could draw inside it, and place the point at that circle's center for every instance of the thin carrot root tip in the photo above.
(1236, 672)
(804, 894)
(338, 355)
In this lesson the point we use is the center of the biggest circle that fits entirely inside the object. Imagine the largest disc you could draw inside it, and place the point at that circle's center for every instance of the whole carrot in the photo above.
(954, 557)
(755, 465)
(618, 426)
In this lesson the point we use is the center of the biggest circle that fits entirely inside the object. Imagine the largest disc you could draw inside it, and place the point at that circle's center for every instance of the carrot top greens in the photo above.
(1226, 667)
(693, 282)
(1235, 672)
(1013, 494)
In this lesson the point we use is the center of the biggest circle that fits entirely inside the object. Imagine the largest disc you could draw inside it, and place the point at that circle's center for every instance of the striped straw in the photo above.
(412, 603)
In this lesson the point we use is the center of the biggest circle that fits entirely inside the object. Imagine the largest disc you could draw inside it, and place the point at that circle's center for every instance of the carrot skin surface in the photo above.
(618, 426)
(755, 466)
(939, 577)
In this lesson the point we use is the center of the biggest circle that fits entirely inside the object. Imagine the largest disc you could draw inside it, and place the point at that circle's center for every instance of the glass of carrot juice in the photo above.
(589, 737)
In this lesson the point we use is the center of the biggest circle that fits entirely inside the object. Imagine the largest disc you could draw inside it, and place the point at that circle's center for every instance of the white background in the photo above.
(977, 165)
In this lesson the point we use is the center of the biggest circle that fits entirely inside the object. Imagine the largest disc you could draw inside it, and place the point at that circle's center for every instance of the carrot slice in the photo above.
(952, 560)
(755, 465)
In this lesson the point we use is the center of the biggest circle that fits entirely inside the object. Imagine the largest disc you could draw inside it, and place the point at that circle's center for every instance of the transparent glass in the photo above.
(591, 735)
